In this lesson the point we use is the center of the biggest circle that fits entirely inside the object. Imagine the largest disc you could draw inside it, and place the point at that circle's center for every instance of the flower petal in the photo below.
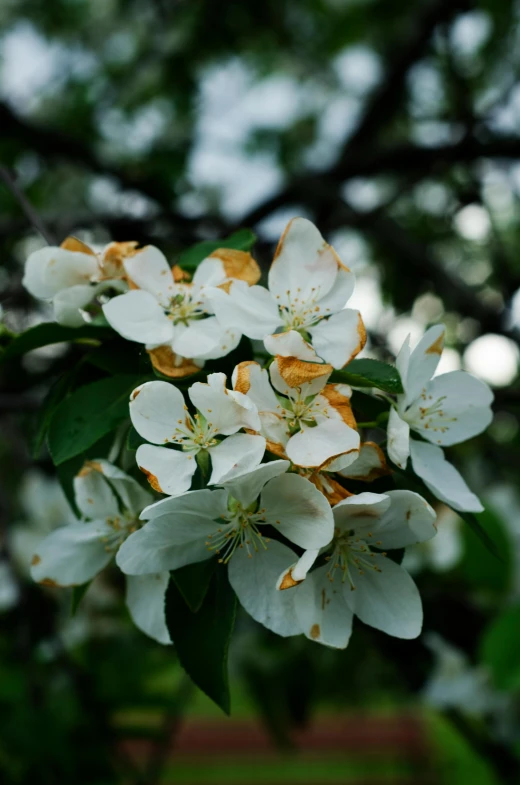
(71, 555)
(321, 609)
(290, 344)
(149, 270)
(291, 376)
(442, 478)
(237, 264)
(369, 465)
(423, 361)
(298, 510)
(254, 582)
(361, 513)
(297, 572)
(204, 339)
(175, 535)
(226, 410)
(69, 303)
(133, 496)
(386, 598)
(340, 294)
(49, 270)
(304, 265)
(145, 601)
(340, 338)
(93, 495)
(156, 410)
(250, 309)
(315, 446)
(234, 456)
(168, 471)
(461, 409)
(137, 316)
(398, 433)
(252, 380)
(246, 488)
(407, 521)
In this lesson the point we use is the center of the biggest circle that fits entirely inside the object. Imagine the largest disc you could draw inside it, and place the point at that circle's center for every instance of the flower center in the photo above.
(121, 527)
(429, 412)
(299, 313)
(298, 410)
(239, 530)
(195, 433)
(351, 557)
(185, 306)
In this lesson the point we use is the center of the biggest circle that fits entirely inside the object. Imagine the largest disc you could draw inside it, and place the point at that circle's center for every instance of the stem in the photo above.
(25, 204)
(370, 424)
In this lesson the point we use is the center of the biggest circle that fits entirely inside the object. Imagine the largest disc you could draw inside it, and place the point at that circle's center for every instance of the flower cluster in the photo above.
(263, 472)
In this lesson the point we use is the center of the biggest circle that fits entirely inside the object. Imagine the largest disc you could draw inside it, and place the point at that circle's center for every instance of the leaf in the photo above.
(499, 649)
(367, 407)
(78, 592)
(193, 582)
(243, 240)
(490, 543)
(55, 395)
(202, 639)
(134, 440)
(50, 333)
(370, 373)
(88, 414)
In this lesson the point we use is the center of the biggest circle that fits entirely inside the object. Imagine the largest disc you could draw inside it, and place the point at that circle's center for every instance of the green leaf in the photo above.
(499, 649)
(49, 333)
(370, 373)
(492, 537)
(243, 240)
(55, 395)
(134, 440)
(88, 414)
(78, 592)
(202, 639)
(193, 582)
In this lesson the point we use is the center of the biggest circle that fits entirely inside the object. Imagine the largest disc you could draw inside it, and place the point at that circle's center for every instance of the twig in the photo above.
(25, 204)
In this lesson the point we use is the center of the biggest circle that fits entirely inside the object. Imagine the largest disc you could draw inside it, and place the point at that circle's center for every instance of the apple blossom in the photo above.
(110, 502)
(445, 410)
(309, 288)
(301, 416)
(159, 414)
(173, 317)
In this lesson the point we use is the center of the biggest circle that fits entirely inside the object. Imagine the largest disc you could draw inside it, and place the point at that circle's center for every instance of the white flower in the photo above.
(228, 523)
(358, 577)
(72, 275)
(160, 415)
(444, 551)
(308, 290)
(446, 410)
(309, 421)
(111, 502)
(165, 312)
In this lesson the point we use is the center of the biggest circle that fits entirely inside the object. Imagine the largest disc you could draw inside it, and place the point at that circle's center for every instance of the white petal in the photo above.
(463, 409)
(145, 601)
(294, 506)
(369, 463)
(247, 487)
(387, 600)
(168, 471)
(226, 410)
(402, 362)
(297, 572)
(337, 340)
(322, 611)
(398, 446)
(423, 361)
(304, 266)
(407, 521)
(176, 535)
(50, 269)
(250, 309)
(69, 303)
(150, 271)
(133, 496)
(294, 372)
(71, 555)
(137, 316)
(290, 344)
(442, 478)
(204, 339)
(155, 411)
(93, 494)
(361, 512)
(210, 272)
(252, 380)
(315, 446)
(235, 456)
(340, 294)
(254, 582)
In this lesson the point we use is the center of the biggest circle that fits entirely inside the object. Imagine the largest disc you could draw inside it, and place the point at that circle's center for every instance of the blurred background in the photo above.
(395, 126)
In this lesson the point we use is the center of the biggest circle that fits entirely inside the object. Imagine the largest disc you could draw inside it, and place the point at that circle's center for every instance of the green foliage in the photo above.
(193, 582)
(202, 639)
(370, 373)
(78, 592)
(487, 561)
(499, 649)
(242, 240)
(88, 414)
(51, 333)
